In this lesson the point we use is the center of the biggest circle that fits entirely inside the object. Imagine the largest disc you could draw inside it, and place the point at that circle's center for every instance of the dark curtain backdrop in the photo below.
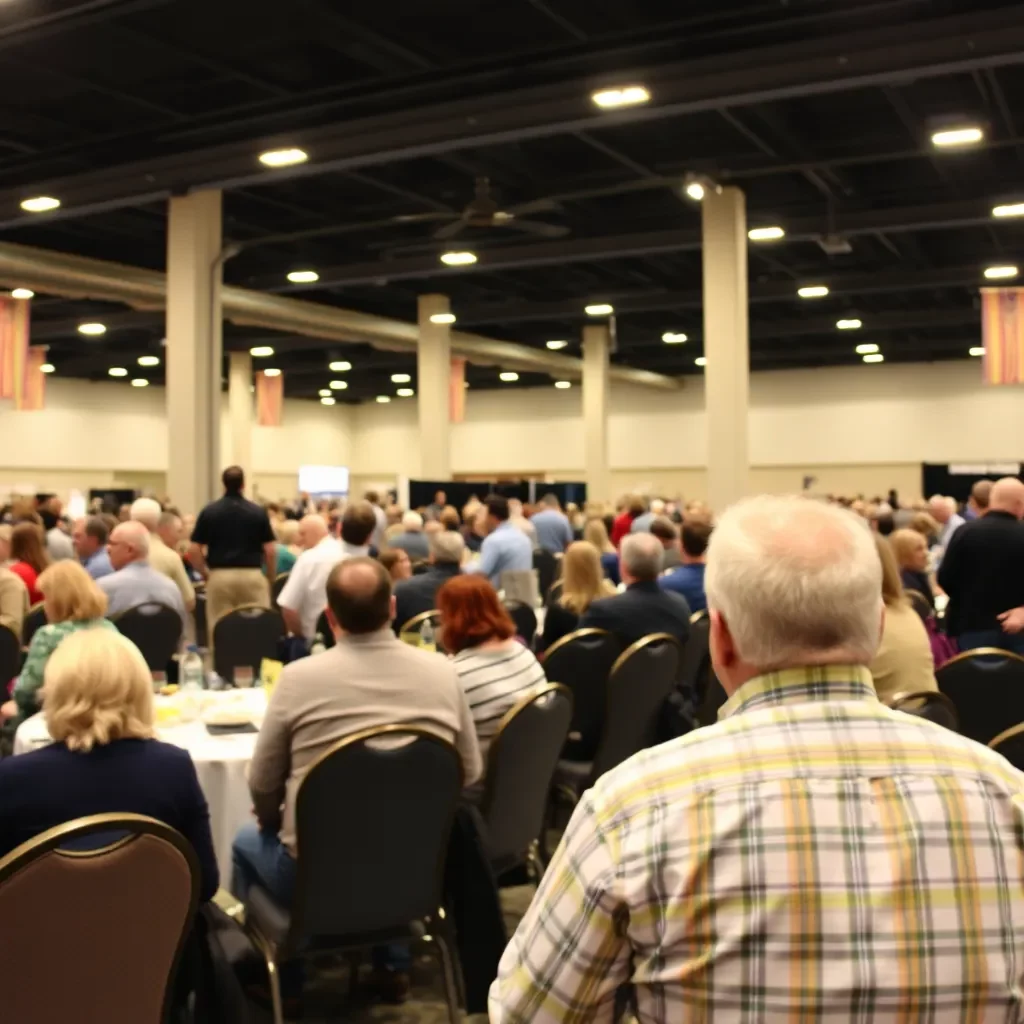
(421, 492)
(936, 478)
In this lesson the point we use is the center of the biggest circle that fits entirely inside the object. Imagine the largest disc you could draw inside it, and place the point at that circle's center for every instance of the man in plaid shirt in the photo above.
(813, 855)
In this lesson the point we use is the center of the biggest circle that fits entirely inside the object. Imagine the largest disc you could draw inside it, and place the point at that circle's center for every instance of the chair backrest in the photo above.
(520, 585)
(155, 628)
(280, 581)
(695, 668)
(920, 603)
(10, 656)
(373, 819)
(410, 631)
(110, 921)
(521, 763)
(930, 704)
(1010, 743)
(986, 686)
(640, 681)
(582, 661)
(34, 619)
(546, 566)
(323, 627)
(554, 591)
(199, 615)
(244, 637)
(525, 619)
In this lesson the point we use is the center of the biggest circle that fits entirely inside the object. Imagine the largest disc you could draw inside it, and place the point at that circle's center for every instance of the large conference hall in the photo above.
(430, 331)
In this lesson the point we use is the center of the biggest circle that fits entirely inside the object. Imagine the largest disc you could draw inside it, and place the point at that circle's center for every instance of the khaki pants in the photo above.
(228, 589)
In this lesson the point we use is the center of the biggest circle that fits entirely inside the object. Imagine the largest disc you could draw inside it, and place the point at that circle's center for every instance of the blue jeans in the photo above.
(991, 638)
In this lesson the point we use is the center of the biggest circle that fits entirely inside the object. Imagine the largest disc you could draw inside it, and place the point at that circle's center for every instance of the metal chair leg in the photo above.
(450, 970)
(273, 974)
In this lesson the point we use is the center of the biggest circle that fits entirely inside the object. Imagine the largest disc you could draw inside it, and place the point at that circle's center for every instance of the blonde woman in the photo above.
(582, 583)
(73, 602)
(904, 661)
(597, 534)
(99, 710)
(911, 551)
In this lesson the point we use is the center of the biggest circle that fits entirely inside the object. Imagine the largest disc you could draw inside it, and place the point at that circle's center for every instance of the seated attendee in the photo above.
(58, 543)
(304, 596)
(903, 662)
(911, 552)
(596, 533)
(99, 710)
(475, 529)
(147, 511)
(358, 523)
(922, 523)
(666, 531)
(397, 563)
(73, 602)
(89, 537)
(5, 545)
(13, 604)
(943, 511)
(977, 503)
(583, 583)
(633, 507)
(134, 581)
(644, 521)
(505, 549)
(449, 518)
(883, 523)
(643, 608)
(518, 518)
(688, 579)
(554, 533)
(29, 557)
(809, 851)
(412, 539)
(288, 550)
(440, 500)
(496, 671)
(418, 594)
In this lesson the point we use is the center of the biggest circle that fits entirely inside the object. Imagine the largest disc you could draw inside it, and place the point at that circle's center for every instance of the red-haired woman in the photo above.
(496, 671)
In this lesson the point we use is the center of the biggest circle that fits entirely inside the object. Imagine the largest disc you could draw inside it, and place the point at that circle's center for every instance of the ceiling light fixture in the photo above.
(339, 385)
(326, 400)
(1008, 210)
(674, 337)
(508, 376)
(874, 357)
(324, 393)
(849, 325)
(383, 399)
(563, 385)
(303, 276)
(813, 291)
(22, 293)
(1000, 273)
(442, 318)
(117, 371)
(260, 351)
(140, 382)
(599, 309)
(92, 330)
(625, 96)
(556, 345)
(405, 392)
(700, 361)
(149, 360)
(283, 157)
(866, 349)
(772, 234)
(977, 350)
(47, 368)
(695, 190)
(40, 204)
(966, 136)
(340, 366)
(400, 378)
(273, 371)
(458, 259)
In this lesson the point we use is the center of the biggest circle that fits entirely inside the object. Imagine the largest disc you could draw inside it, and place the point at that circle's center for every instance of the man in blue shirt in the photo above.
(89, 537)
(688, 579)
(554, 533)
(505, 548)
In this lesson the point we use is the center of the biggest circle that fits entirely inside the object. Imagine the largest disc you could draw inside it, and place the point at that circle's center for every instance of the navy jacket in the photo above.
(418, 594)
(54, 785)
(641, 609)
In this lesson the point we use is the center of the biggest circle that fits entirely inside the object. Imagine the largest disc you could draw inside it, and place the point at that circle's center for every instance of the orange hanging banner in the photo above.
(14, 323)
(269, 399)
(1002, 331)
(33, 394)
(457, 391)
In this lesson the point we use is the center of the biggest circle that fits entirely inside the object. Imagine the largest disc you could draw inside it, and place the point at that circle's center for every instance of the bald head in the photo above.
(359, 596)
(128, 543)
(312, 530)
(1008, 496)
(941, 508)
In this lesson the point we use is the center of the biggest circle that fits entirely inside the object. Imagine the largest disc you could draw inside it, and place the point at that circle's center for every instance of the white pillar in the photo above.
(240, 409)
(726, 345)
(193, 350)
(433, 368)
(596, 346)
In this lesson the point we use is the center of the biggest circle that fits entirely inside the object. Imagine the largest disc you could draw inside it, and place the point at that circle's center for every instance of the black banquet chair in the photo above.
(280, 582)
(1010, 743)
(928, 704)
(10, 654)
(244, 637)
(525, 619)
(695, 668)
(521, 764)
(154, 628)
(34, 620)
(323, 627)
(373, 822)
(920, 604)
(986, 686)
(582, 661)
(547, 567)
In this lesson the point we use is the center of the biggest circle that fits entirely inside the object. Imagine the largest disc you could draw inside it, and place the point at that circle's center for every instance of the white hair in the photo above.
(147, 511)
(412, 521)
(642, 555)
(941, 501)
(795, 579)
(657, 506)
(447, 546)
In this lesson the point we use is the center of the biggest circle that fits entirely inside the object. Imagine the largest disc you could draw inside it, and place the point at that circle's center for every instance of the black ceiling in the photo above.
(821, 110)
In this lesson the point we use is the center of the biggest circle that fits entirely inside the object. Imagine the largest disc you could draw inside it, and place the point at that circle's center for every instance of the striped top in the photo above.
(495, 680)
(812, 856)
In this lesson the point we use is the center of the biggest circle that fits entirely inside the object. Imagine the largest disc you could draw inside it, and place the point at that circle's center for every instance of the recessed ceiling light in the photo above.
(849, 325)
(695, 190)
(273, 371)
(405, 392)
(39, 204)
(47, 368)
(283, 157)
(599, 309)
(563, 385)
(977, 350)
(966, 136)
(260, 351)
(326, 400)
(22, 293)
(140, 382)
(458, 259)
(625, 96)
(701, 361)
(814, 291)
(339, 385)
(117, 371)
(340, 366)
(324, 393)
(1008, 210)
(149, 360)
(866, 349)
(400, 378)
(874, 357)
(303, 276)
(442, 318)
(555, 345)
(383, 399)
(999, 273)
(673, 337)
(92, 330)
(508, 376)
(772, 234)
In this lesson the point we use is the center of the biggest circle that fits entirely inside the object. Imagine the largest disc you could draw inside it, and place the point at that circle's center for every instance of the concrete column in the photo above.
(240, 409)
(433, 367)
(726, 345)
(596, 350)
(193, 350)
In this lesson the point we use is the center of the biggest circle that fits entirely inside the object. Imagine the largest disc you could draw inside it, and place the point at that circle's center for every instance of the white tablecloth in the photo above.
(221, 762)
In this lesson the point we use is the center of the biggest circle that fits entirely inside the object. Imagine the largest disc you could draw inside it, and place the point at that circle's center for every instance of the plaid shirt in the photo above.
(811, 856)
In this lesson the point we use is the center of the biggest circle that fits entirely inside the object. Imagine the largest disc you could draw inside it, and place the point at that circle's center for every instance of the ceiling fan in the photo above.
(483, 211)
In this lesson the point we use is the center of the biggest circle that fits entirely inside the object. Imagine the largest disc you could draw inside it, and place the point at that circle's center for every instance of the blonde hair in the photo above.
(287, 532)
(892, 585)
(582, 576)
(71, 594)
(97, 689)
(904, 543)
(924, 524)
(597, 533)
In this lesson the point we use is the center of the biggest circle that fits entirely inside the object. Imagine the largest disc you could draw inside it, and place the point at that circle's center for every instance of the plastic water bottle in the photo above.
(191, 669)
(318, 646)
(427, 638)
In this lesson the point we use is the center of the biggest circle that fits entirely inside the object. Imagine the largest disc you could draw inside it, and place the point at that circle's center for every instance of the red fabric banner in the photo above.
(457, 391)
(1002, 330)
(33, 394)
(269, 399)
(14, 322)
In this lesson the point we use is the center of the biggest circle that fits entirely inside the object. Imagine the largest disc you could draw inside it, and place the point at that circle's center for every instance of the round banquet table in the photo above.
(222, 762)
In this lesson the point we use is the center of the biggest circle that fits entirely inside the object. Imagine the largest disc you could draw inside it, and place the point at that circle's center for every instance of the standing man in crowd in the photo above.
(554, 533)
(943, 511)
(237, 537)
(643, 522)
(89, 537)
(504, 549)
(440, 500)
(811, 856)
(358, 524)
(688, 578)
(380, 520)
(413, 541)
(668, 533)
(977, 503)
(304, 596)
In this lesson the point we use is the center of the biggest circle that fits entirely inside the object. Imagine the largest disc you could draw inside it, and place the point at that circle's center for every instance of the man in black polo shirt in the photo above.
(237, 536)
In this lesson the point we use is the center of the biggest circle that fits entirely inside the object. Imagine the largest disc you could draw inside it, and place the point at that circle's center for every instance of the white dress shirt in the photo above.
(306, 590)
